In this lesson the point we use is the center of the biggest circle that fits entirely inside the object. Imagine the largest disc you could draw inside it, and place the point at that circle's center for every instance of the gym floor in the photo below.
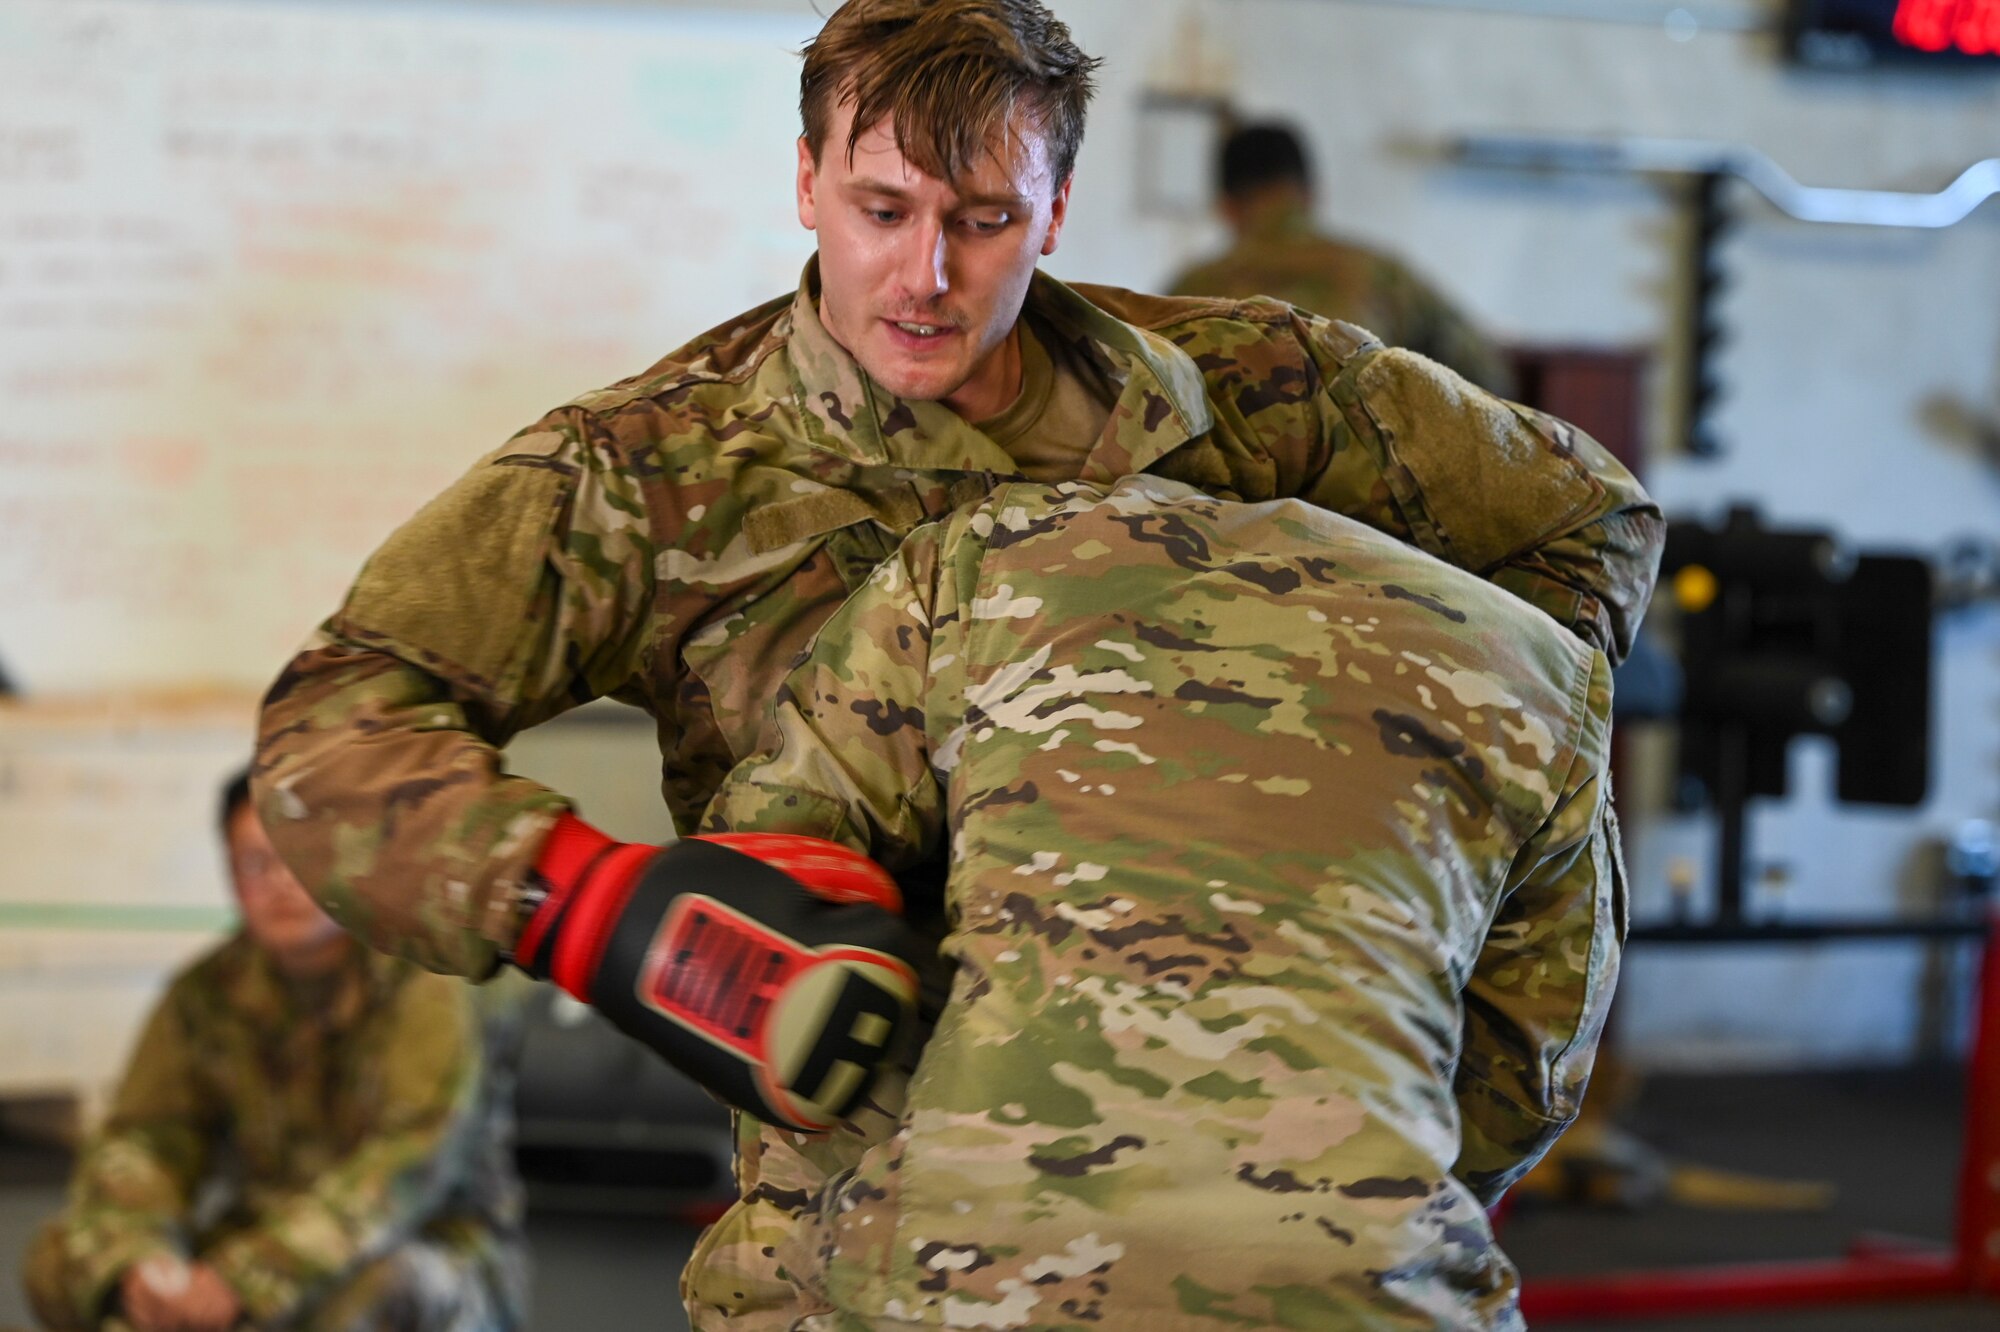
(1887, 1140)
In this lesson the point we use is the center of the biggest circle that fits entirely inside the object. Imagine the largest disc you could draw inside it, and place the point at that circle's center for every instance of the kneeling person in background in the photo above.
(309, 1135)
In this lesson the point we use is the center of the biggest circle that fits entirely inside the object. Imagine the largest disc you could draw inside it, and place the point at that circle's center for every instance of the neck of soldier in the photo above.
(309, 964)
(994, 383)
(1273, 208)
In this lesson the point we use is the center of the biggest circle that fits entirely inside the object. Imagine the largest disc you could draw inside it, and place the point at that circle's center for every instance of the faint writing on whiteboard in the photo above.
(271, 276)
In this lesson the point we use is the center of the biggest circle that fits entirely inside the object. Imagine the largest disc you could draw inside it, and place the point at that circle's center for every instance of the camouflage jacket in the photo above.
(673, 541)
(1287, 258)
(335, 1127)
(1285, 906)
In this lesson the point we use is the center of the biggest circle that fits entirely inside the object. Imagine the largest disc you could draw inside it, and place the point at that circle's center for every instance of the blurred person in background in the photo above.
(1265, 192)
(308, 1135)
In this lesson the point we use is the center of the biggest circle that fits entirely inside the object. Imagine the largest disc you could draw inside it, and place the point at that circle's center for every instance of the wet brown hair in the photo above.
(948, 75)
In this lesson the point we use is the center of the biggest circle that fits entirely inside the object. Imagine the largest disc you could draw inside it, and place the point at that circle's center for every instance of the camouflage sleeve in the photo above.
(518, 593)
(849, 751)
(427, 1062)
(1536, 1003)
(1528, 502)
(135, 1179)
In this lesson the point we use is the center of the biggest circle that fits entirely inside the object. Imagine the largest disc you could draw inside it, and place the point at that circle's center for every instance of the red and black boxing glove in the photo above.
(774, 970)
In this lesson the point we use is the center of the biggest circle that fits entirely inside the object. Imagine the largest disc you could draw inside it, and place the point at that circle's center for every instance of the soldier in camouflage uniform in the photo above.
(1285, 905)
(675, 540)
(1267, 199)
(309, 1136)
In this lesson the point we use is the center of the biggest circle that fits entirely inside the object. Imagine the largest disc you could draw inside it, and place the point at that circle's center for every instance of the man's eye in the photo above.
(987, 226)
(882, 215)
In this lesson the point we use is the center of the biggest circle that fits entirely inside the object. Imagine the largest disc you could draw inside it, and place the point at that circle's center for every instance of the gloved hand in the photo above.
(772, 969)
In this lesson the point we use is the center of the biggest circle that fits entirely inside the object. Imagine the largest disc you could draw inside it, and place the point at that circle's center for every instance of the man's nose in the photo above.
(926, 273)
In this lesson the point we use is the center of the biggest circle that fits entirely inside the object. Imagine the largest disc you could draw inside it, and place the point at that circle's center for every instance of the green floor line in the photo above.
(80, 916)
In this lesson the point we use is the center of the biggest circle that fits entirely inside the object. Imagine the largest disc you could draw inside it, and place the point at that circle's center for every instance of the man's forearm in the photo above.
(393, 810)
(360, 1209)
(846, 749)
(1520, 498)
(1536, 1004)
(136, 1178)
(1595, 581)
(97, 1257)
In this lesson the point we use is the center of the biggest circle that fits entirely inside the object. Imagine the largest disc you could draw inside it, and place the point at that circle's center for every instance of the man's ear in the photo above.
(808, 180)
(1058, 214)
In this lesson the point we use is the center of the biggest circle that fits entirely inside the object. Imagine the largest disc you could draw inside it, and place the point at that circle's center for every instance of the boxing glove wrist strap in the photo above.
(589, 878)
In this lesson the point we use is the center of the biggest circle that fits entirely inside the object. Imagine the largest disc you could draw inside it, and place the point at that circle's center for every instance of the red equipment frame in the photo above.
(1872, 1269)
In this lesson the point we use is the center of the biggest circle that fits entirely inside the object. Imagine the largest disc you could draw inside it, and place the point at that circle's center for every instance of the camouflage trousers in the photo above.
(423, 1286)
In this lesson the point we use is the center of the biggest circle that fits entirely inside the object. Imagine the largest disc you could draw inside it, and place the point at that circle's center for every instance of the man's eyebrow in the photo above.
(870, 185)
(995, 201)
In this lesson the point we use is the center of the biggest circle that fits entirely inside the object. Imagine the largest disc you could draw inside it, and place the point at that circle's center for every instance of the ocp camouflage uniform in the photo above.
(1285, 906)
(1285, 256)
(357, 1136)
(675, 540)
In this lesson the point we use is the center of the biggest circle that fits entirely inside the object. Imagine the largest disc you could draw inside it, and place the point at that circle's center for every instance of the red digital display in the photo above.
(1971, 27)
(1860, 34)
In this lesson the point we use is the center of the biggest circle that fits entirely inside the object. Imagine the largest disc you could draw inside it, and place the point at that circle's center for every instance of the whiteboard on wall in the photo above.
(271, 274)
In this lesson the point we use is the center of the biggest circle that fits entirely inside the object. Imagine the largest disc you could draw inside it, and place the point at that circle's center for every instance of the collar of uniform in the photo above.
(848, 413)
(1162, 399)
(1281, 222)
(1161, 404)
(262, 994)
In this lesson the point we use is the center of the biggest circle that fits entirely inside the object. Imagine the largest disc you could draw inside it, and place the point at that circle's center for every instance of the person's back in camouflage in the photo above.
(336, 1146)
(1285, 907)
(1279, 252)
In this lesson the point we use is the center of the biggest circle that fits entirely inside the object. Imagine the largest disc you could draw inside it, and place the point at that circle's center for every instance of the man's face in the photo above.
(922, 280)
(277, 911)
